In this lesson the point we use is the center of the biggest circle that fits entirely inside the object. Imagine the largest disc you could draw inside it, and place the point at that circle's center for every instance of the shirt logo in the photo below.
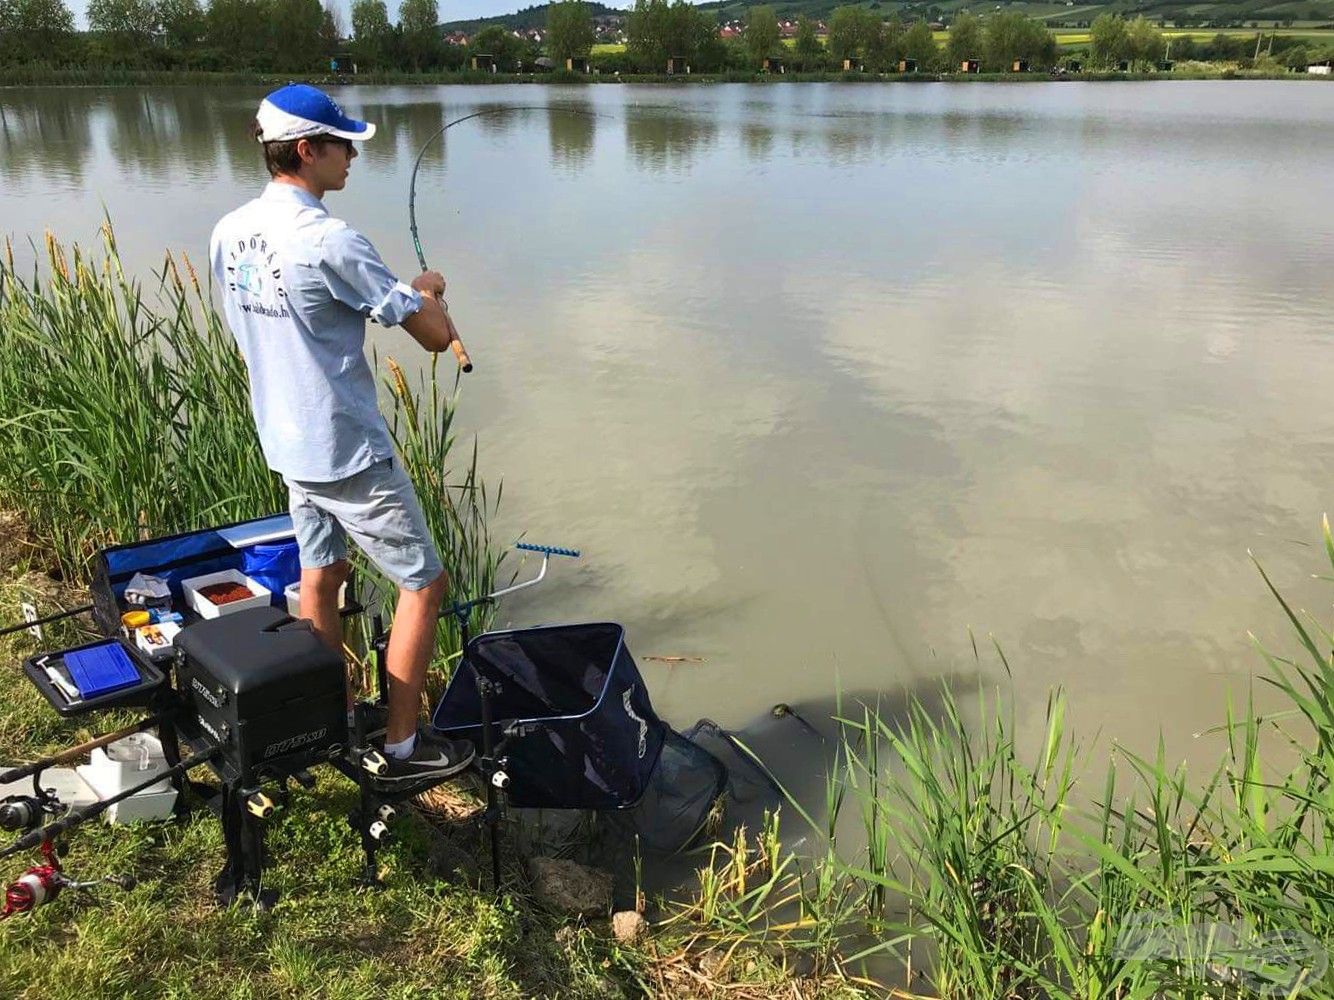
(255, 279)
(248, 279)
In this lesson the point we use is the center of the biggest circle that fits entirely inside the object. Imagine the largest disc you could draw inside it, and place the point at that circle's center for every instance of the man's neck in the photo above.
(298, 181)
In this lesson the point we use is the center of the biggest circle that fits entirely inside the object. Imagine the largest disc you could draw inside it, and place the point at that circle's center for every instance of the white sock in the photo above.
(401, 750)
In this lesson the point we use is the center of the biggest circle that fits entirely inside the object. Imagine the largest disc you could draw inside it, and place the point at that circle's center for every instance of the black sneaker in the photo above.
(434, 759)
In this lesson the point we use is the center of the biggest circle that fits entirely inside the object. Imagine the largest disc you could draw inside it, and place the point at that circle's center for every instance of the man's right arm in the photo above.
(430, 325)
(358, 278)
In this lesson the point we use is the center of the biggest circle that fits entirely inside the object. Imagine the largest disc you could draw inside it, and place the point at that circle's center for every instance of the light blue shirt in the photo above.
(296, 287)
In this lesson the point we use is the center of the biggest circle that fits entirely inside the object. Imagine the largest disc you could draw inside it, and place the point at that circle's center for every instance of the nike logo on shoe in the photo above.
(439, 759)
(428, 765)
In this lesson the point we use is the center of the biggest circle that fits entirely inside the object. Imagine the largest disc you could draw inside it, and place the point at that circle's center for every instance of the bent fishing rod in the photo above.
(460, 352)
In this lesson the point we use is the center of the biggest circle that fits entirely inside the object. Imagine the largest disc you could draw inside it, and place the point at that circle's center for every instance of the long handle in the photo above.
(455, 344)
(11, 629)
(18, 773)
(76, 816)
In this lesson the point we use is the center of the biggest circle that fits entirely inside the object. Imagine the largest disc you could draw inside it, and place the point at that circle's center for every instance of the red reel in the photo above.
(38, 885)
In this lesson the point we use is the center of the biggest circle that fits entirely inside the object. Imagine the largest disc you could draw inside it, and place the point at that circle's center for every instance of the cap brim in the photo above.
(353, 129)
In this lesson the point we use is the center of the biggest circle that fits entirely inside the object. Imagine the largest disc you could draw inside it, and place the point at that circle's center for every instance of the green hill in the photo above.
(528, 17)
(1224, 13)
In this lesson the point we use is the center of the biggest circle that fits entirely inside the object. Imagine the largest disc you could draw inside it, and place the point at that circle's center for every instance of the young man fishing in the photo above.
(297, 286)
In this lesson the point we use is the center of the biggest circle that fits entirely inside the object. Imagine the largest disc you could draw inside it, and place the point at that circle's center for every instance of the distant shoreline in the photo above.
(14, 77)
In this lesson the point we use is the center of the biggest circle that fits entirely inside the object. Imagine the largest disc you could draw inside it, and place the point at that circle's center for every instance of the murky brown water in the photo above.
(820, 376)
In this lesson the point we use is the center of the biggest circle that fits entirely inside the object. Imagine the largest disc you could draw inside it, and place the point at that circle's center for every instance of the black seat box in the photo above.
(265, 688)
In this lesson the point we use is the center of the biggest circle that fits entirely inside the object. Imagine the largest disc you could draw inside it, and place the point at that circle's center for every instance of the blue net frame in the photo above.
(584, 734)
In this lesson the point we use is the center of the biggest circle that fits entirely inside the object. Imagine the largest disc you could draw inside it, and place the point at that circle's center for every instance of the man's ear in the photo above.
(305, 149)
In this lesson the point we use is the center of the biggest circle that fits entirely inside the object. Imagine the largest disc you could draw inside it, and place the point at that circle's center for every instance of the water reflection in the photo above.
(45, 136)
(570, 130)
(403, 131)
(757, 139)
(850, 144)
(666, 139)
(154, 136)
(502, 118)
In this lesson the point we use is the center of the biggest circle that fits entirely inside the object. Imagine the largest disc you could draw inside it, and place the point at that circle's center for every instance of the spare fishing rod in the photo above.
(37, 622)
(74, 817)
(460, 352)
(36, 767)
(42, 883)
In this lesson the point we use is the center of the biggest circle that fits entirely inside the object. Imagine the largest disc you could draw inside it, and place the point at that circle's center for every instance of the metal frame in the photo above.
(242, 810)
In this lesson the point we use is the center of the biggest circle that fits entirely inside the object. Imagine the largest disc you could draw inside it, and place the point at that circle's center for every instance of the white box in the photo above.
(207, 609)
(144, 806)
(68, 786)
(293, 594)
(126, 763)
(129, 761)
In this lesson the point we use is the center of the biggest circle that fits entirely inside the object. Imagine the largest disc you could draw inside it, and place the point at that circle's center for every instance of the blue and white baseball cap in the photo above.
(299, 111)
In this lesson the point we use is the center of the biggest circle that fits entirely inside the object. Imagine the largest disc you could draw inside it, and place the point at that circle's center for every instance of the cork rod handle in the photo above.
(455, 344)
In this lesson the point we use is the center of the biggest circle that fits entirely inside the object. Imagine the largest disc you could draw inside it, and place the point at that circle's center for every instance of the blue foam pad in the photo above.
(100, 669)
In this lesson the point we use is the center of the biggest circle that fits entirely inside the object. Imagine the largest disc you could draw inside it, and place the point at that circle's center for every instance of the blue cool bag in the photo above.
(273, 565)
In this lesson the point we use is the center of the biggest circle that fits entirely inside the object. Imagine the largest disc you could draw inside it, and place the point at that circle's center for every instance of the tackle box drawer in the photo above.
(150, 679)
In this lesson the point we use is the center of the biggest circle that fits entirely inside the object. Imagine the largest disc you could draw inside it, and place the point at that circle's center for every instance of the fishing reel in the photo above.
(20, 813)
(42, 883)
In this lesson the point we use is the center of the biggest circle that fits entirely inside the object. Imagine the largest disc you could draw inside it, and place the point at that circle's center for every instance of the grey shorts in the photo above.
(379, 509)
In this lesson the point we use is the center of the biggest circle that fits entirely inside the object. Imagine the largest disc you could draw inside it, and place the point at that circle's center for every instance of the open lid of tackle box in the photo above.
(175, 558)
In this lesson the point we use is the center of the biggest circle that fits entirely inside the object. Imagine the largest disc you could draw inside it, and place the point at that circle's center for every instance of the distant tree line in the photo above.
(656, 30)
(300, 36)
(262, 35)
(1139, 44)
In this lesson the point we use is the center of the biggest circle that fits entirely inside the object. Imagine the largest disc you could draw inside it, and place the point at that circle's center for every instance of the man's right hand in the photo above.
(430, 282)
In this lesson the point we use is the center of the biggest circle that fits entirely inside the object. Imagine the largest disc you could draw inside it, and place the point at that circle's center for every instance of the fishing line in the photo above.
(412, 184)
(465, 362)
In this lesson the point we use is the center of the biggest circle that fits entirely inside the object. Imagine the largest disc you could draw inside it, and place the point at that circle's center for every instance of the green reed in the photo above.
(456, 501)
(982, 873)
(126, 406)
(124, 410)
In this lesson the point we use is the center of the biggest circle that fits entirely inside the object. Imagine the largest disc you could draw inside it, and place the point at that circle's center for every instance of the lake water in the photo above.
(821, 376)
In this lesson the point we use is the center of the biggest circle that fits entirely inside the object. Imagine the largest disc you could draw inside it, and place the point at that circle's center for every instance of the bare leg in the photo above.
(319, 601)
(411, 642)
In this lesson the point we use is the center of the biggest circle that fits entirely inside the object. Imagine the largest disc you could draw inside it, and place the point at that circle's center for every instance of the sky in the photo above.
(450, 10)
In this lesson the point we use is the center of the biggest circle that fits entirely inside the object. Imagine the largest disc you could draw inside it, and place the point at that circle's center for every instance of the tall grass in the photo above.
(124, 410)
(456, 502)
(986, 869)
(126, 407)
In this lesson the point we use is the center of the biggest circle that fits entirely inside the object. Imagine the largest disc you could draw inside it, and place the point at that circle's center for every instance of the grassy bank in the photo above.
(947, 859)
(49, 77)
(434, 931)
